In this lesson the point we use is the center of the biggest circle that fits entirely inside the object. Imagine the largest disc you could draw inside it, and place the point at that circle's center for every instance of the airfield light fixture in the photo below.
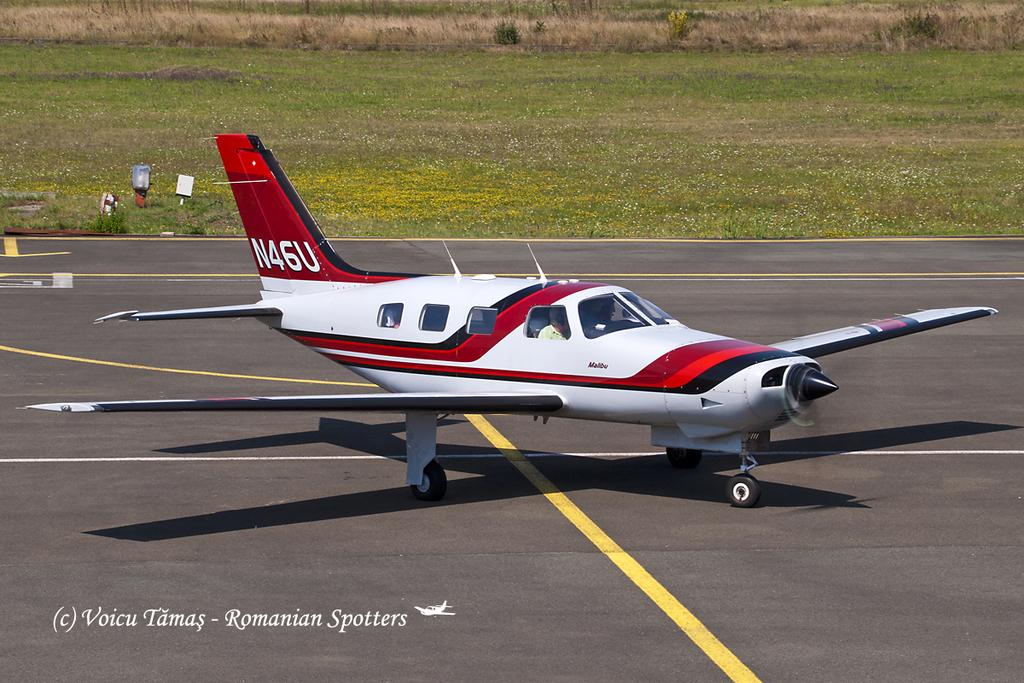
(140, 183)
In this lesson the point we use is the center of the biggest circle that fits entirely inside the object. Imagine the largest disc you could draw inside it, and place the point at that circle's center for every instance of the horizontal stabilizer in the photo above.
(388, 403)
(845, 338)
(241, 311)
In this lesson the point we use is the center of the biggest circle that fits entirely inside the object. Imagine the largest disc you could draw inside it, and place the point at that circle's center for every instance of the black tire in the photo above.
(684, 458)
(436, 484)
(743, 491)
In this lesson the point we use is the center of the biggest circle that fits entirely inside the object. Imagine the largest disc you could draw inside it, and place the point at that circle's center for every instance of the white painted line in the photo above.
(20, 284)
(473, 456)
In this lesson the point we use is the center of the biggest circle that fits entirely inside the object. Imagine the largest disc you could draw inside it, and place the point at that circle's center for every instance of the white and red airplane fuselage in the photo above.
(655, 374)
(444, 344)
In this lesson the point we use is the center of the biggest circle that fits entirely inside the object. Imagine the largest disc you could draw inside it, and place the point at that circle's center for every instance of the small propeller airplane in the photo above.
(534, 346)
(436, 610)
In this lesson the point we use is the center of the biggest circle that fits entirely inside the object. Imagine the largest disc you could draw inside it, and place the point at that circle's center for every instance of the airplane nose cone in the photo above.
(814, 385)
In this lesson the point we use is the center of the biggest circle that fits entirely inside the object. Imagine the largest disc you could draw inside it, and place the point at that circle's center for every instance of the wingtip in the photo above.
(120, 315)
(63, 407)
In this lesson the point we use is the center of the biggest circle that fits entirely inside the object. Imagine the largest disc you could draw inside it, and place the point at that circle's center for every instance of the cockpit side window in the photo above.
(481, 320)
(548, 322)
(657, 316)
(434, 317)
(390, 315)
(604, 314)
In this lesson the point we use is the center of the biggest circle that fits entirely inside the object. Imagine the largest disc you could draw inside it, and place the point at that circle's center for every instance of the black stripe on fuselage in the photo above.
(872, 337)
(706, 381)
(458, 338)
(716, 374)
(312, 227)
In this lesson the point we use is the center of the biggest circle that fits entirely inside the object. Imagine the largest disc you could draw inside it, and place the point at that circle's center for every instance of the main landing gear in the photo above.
(423, 474)
(683, 458)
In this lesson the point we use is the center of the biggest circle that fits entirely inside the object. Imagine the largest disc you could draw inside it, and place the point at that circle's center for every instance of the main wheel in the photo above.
(684, 458)
(434, 485)
(743, 491)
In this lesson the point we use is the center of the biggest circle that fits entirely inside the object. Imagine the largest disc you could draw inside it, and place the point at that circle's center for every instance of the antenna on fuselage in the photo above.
(455, 266)
(543, 277)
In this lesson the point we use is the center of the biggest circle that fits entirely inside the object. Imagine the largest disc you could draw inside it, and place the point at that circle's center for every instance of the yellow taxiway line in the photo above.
(687, 622)
(178, 371)
(11, 250)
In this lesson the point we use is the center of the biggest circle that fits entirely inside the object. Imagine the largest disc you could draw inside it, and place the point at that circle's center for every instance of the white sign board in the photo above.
(184, 186)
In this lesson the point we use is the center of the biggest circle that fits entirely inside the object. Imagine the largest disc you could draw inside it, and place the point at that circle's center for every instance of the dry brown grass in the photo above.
(865, 26)
(844, 27)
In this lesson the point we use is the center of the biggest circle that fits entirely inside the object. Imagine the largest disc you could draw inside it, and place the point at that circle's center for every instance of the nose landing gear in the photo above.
(743, 490)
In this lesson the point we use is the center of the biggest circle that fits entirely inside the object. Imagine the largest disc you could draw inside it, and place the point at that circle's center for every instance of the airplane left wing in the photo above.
(240, 311)
(388, 403)
(845, 338)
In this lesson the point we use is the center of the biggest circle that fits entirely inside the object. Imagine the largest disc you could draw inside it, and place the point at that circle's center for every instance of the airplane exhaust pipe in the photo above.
(807, 384)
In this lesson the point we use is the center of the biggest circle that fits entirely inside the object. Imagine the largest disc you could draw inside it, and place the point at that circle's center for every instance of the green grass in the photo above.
(502, 144)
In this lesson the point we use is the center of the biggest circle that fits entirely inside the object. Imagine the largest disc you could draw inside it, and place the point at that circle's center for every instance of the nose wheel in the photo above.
(683, 458)
(743, 491)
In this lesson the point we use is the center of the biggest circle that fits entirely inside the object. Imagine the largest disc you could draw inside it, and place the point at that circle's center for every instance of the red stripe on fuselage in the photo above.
(701, 360)
(474, 347)
(671, 371)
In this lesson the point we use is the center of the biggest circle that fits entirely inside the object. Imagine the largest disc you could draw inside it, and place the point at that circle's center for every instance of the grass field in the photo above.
(719, 144)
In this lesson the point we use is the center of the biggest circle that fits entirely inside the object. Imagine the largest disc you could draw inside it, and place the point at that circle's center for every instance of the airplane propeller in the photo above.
(804, 385)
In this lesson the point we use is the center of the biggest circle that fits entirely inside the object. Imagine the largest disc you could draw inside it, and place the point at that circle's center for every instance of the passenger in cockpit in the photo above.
(558, 327)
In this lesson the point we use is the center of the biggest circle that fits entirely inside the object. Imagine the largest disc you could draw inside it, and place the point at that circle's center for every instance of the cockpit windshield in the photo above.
(657, 316)
(602, 315)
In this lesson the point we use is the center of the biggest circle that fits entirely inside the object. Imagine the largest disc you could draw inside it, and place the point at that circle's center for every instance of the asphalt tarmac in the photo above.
(889, 544)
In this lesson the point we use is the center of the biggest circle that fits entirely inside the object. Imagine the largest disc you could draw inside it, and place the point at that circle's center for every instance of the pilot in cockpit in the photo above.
(596, 316)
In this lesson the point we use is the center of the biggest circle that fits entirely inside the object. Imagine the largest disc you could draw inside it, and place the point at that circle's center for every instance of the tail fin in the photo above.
(291, 253)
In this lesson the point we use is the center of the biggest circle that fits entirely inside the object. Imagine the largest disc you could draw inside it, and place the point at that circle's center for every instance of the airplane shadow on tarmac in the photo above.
(641, 475)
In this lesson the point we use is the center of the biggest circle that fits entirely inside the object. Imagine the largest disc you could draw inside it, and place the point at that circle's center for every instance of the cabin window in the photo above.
(434, 317)
(548, 322)
(602, 315)
(390, 315)
(656, 315)
(481, 320)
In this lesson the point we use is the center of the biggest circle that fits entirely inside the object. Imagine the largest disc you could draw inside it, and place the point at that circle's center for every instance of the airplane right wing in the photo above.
(382, 402)
(845, 338)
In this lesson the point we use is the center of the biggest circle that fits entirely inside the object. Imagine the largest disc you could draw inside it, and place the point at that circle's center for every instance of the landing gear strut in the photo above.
(684, 458)
(743, 490)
